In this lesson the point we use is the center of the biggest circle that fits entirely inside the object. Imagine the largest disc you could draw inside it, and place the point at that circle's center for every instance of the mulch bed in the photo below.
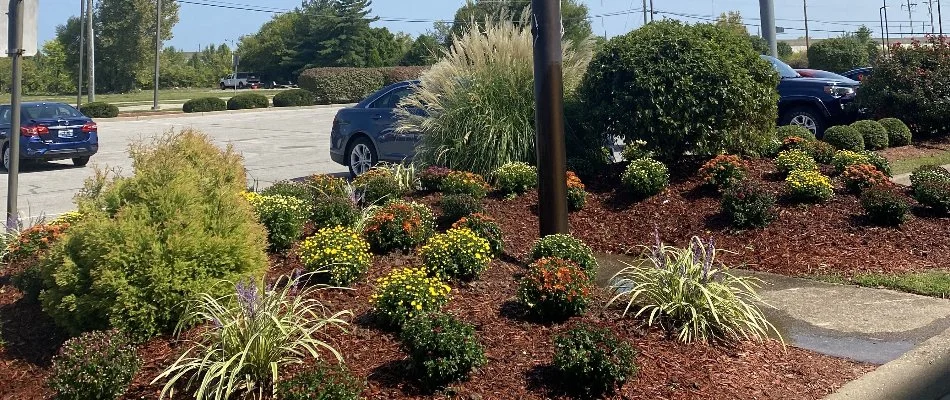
(920, 149)
(828, 238)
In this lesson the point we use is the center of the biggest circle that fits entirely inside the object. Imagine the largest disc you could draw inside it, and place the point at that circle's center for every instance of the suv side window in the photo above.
(391, 99)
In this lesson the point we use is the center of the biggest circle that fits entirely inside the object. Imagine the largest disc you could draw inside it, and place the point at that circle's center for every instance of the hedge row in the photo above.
(349, 85)
(99, 109)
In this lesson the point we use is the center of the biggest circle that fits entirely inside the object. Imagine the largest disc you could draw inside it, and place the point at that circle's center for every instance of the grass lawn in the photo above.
(906, 166)
(145, 96)
(928, 283)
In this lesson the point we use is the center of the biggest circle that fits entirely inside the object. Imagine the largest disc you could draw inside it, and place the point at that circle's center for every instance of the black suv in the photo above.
(813, 103)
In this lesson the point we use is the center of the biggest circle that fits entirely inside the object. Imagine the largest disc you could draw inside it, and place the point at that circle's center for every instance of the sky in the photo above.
(204, 22)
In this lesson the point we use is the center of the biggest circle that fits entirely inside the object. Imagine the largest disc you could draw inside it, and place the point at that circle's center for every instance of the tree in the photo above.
(348, 29)
(839, 54)
(425, 50)
(51, 75)
(125, 39)
(733, 21)
(574, 14)
(784, 50)
(272, 51)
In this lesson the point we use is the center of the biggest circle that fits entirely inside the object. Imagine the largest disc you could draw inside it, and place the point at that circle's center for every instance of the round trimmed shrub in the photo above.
(406, 293)
(204, 104)
(516, 178)
(884, 206)
(282, 216)
(568, 248)
(822, 152)
(99, 109)
(459, 182)
(930, 185)
(378, 185)
(340, 251)
(442, 348)
(645, 177)
(247, 101)
(323, 382)
(334, 211)
(555, 289)
(794, 160)
(431, 178)
(95, 365)
(898, 133)
(576, 193)
(748, 205)
(874, 134)
(457, 206)
(294, 98)
(929, 173)
(456, 254)
(724, 171)
(699, 89)
(787, 131)
(809, 186)
(486, 228)
(594, 359)
(399, 225)
(844, 138)
(846, 158)
(858, 177)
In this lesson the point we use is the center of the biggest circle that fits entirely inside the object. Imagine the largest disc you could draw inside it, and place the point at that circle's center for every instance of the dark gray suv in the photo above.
(363, 135)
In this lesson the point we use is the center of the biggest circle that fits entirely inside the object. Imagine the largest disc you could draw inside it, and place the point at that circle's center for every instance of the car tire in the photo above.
(240, 85)
(80, 161)
(361, 156)
(223, 87)
(807, 117)
(6, 157)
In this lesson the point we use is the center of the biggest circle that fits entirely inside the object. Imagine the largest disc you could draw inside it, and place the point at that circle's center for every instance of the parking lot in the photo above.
(276, 145)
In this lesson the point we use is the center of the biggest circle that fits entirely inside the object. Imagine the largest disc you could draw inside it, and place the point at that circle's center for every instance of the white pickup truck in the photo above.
(240, 80)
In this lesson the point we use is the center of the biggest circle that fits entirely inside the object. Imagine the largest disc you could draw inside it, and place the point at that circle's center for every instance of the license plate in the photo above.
(66, 133)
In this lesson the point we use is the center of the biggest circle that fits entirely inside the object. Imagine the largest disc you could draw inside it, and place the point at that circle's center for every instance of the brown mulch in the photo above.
(804, 240)
(917, 150)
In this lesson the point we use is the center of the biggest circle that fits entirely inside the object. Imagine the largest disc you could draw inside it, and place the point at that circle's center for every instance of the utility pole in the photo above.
(910, 16)
(158, 51)
(652, 11)
(91, 58)
(939, 18)
(82, 50)
(767, 13)
(16, 52)
(644, 12)
(882, 13)
(807, 44)
(930, 10)
(549, 117)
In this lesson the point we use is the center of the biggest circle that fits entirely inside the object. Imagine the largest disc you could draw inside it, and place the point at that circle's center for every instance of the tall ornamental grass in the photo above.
(478, 102)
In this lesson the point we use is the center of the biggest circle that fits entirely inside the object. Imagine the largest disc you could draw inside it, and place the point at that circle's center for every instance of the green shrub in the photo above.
(294, 98)
(486, 228)
(393, 75)
(378, 185)
(95, 365)
(406, 293)
(787, 131)
(884, 206)
(555, 289)
(282, 216)
(875, 135)
(340, 85)
(256, 332)
(568, 248)
(457, 206)
(912, 84)
(432, 177)
(247, 101)
(933, 194)
(334, 211)
(794, 160)
(340, 251)
(748, 205)
(323, 382)
(856, 178)
(928, 173)
(645, 177)
(296, 190)
(699, 89)
(846, 158)
(898, 133)
(822, 152)
(442, 348)
(99, 109)
(478, 102)
(844, 138)
(684, 291)
(838, 54)
(515, 178)
(148, 242)
(878, 161)
(724, 171)
(594, 359)
(576, 193)
(204, 104)
(636, 150)
(456, 254)
(809, 186)
(399, 225)
(458, 182)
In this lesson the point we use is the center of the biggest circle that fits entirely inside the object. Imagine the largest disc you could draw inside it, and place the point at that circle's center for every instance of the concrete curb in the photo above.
(920, 374)
(176, 114)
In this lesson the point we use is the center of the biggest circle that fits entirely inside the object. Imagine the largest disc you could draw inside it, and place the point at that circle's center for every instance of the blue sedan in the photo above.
(49, 132)
(363, 135)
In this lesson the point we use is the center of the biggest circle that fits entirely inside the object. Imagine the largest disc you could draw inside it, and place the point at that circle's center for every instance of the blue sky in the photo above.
(202, 25)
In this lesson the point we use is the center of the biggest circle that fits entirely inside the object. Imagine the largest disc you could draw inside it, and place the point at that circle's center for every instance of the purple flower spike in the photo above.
(248, 296)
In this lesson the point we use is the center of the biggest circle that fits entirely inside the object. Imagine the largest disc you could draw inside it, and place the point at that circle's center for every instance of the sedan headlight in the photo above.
(839, 91)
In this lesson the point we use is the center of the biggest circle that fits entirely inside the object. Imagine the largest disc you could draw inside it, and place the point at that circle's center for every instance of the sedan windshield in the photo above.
(784, 71)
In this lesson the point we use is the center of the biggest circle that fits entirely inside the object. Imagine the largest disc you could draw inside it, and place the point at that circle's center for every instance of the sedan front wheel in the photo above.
(362, 156)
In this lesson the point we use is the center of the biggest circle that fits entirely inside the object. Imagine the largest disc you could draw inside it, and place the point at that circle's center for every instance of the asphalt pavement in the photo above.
(277, 144)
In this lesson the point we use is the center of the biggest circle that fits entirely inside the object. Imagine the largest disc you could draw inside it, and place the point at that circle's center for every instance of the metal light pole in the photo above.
(158, 51)
(91, 57)
(910, 16)
(881, 13)
(16, 52)
(807, 44)
(939, 18)
(82, 50)
(549, 117)
(767, 13)
(644, 11)
(652, 11)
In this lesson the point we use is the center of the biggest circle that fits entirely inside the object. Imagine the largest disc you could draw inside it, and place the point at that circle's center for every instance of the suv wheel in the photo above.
(222, 86)
(805, 117)
(362, 156)
(6, 158)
